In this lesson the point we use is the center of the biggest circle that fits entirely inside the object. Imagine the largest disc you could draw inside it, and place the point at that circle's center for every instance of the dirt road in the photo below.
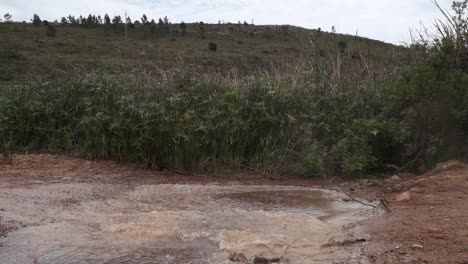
(56, 209)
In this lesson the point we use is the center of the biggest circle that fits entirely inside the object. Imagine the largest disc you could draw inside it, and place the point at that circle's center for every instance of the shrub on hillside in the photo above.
(213, 46)
(51, 31)
(430, 100)
(179, 125)
(36, 20)
(312, 161)
(183, 28)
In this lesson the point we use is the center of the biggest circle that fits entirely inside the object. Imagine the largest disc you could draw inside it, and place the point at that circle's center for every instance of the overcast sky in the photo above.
(387, 20)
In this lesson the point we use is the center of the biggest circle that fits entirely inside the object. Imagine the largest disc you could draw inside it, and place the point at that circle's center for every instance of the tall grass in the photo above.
(337, 110)
(307, 118)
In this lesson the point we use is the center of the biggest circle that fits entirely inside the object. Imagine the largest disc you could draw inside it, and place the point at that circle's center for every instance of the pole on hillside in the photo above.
(126, 31)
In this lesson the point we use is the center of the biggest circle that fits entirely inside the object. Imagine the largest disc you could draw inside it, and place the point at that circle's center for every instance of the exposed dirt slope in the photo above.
(64, 168)
(427, 220)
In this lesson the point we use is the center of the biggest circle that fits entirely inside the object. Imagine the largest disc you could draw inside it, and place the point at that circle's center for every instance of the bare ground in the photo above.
(63, 168)
(431, 227)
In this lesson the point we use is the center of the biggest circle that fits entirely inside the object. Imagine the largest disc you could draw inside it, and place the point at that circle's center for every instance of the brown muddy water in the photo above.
(98, 222)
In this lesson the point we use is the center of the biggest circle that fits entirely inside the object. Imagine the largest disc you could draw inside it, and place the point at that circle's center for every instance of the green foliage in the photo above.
(355, 155)
(213, 46)
(342, 46)
(107, 20)
(7, 17)
(431, 104)
(51, 31)
(312, 163)
(183, 27)
(356, 151)
(144, 19)
(185, 123)
(430, 100)
(102, 47)
(117, 20)
(337, 107)
(36, 20)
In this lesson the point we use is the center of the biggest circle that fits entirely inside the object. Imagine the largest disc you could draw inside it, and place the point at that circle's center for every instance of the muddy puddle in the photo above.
(115, 223)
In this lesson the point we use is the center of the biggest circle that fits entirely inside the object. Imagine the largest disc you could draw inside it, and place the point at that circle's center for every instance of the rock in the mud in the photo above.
(403, 197)
(417, 190)
(417, 247)
(263, 260)
(238, 257)
(395, 178)
(434, 231)
(399, 187)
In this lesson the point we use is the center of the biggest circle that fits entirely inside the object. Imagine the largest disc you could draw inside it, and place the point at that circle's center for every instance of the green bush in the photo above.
(51, 31)
(354, 155)
(187, 122)
(430, 104)
(313, 158)
(430, 100)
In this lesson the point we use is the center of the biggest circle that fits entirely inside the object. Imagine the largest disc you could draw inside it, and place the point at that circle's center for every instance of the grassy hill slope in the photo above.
(27, 52)
(281, 99)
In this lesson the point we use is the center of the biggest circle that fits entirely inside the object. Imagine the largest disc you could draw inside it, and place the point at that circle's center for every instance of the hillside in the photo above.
(232, 143)
(281, 100)
(30, 52)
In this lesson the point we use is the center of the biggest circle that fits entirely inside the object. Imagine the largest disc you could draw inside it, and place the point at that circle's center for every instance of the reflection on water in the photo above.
(183, 224)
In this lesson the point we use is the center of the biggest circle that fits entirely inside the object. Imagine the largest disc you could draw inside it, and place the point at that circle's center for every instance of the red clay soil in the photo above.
(65, 168)
(430, 225)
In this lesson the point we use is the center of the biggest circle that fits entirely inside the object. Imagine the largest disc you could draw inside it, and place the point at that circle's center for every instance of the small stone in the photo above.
(403, 197)
(395, 178)
(397, 188)
(417, 246)
(263, 260)
(417, 190)
(434, 231)
(238, 257)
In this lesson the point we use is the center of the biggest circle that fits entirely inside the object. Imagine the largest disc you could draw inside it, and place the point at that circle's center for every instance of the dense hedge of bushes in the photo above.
(300, 124)
(430, 106)
(430, 99)
(303, 126)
